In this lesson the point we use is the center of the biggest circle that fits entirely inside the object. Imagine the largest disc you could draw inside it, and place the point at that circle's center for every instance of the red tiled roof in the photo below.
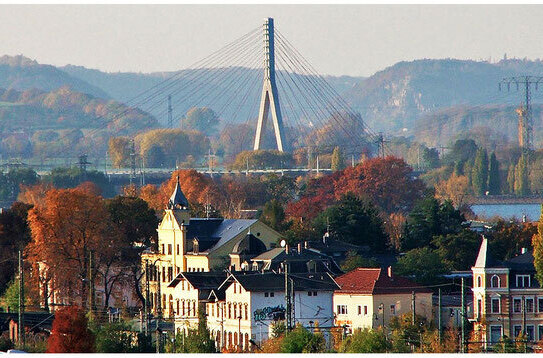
(376, 281)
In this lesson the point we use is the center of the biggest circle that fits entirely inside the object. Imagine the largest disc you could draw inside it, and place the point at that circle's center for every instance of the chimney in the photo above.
(306, 245)
(299, 248)
(389, 271)
(523, 250)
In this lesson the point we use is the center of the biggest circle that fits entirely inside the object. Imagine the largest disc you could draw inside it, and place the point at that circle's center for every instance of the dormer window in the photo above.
(523, 280)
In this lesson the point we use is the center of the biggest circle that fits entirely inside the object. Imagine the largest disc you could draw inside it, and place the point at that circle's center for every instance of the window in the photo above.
(516, 330)
(523, 280)
(479, 307)
(341, 309)
(229, 310)
(479, 281)
(359, 310)
(246, 309)
(170, 273)
(169, 249)
(540, 331)
(495, 334)
(495, 305)
(212, 310)
(517, 305)
(314, 293)
(529, 305)
(495, 281)
(530, 332)
(178, 249)
(272, 294)
(365, 310)
(235, 290)
(177, 311)
(266, 294)
(309, 293)
(392, 309)
(540, 304)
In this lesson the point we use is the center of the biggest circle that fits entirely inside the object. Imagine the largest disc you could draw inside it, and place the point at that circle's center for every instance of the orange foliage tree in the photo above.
(70, 333)
(70, 224)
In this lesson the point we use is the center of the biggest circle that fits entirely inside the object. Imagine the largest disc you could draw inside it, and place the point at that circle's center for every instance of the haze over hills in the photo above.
(404, 99)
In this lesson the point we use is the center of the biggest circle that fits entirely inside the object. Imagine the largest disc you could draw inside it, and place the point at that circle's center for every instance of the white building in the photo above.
(371, 297)
(247, 305)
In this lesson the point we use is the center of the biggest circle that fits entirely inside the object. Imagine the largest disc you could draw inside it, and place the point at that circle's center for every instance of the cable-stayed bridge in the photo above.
(259, 81)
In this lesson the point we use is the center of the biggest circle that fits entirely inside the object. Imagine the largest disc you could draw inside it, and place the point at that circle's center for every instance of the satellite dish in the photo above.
(283, 243)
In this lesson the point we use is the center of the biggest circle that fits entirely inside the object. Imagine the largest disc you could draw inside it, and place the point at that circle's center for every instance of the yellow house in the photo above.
(188, 244)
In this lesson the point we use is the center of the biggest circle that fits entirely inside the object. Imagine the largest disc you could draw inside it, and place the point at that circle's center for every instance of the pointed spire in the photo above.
(483, 258)
(178, 199)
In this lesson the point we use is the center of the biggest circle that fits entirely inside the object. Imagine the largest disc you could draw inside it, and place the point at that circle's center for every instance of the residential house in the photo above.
(371, 297)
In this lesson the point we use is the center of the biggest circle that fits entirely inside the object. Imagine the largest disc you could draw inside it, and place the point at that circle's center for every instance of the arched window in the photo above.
(479, 281)
(170, 305)
(194, 308)
(236, 338)
(177, 311)
(246, 341)
(229, 310)
(495, 281)
(183, 307)
(229, 339)
(246, 312)
(235, 310)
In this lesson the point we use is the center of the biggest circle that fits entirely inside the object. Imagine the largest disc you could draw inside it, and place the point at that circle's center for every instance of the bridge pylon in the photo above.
(270, 97)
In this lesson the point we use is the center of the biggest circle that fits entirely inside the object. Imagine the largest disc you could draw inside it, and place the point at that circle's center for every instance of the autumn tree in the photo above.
(366, 341)
(262, 159)
(507, 238)
(70, 332)
(202, 119)
(119, 151)
(387, 182)
(455, 189)
(71, 225)
(338, 161)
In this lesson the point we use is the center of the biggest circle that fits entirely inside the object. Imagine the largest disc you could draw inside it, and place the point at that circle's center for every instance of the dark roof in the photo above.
(331, 245)
(272, 281)
(249, 245)
(298, 261)
(178, 199)
(218, 294)
(522, 262)
(376, 281)
(213, 233)
(200, 280)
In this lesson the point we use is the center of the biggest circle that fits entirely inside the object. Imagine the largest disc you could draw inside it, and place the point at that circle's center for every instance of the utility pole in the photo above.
(210, 159)
(525, 112)
(381, 145)
(440, 328)
(413, 307)
(463, 318)
(83, 167)
(309, 158)
(170, 114)
(21, 323)
(146, 298)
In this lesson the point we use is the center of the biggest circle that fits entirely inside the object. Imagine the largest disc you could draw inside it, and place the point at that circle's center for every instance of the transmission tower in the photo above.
(270, 97)
(170, 116)
(525, 124)
(380, 141)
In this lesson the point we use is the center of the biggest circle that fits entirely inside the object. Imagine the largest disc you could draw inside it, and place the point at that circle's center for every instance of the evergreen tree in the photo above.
(338, 161)
(480, 172)
(494, 175)
(522, 187)
(511, 179)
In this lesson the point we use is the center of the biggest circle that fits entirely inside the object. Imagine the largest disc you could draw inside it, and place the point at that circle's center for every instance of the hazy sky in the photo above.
(353, 40)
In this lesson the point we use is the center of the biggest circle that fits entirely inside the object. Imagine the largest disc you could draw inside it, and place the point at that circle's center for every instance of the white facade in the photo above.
(250, 314)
